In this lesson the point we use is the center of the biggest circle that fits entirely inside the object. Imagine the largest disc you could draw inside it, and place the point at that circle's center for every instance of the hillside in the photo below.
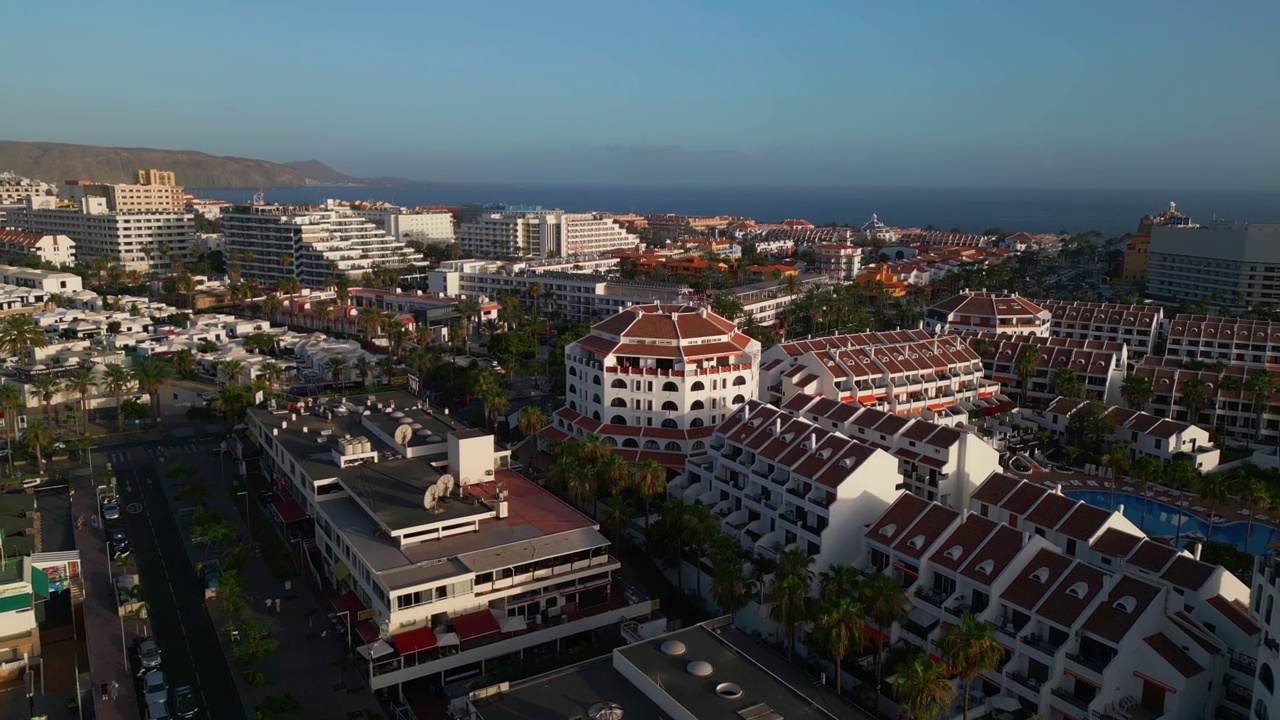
(317, 173)
(56, 162)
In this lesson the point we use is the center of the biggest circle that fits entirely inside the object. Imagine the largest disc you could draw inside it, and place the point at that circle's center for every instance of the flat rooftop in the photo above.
(538, 525)
(764, 678)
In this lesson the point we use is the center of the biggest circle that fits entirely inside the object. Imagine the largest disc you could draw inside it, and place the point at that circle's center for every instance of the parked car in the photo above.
(110, 508)
(118, 542)
(185, 704)
(148, 653)
(154, 688)
(157, 711)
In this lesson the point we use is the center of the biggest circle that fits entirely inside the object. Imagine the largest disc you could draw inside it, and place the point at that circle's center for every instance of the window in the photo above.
(595, 398)
(619, 384)
(672, 424)
(696, 405)
(651, 445)
(617, 402)
(618, 420)
(673, 446)
(698, 445)
(669, 387)
(670, 406)
(595, 416)
(697, 386)
(1267, 677)
(695, 423)
(739, 381)
(595, 379)
(630, 443)
(738, 399)
(573, 389)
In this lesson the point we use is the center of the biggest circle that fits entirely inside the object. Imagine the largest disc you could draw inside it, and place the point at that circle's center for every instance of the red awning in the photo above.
(1157, 683)
(414, 640)
(874, 633)
(288, 509)
(474, 625)
(367, 632)
(348, 605)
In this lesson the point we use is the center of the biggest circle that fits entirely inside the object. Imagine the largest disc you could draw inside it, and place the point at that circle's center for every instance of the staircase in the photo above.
(76, 586)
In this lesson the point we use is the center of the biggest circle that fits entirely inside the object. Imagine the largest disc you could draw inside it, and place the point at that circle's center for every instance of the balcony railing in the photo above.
(1080, 704)
(1238, 695)
(933, 597)
(1244, 664)
(1001, 629)
(1041, 643)
(1030, 683)
(1092, 662)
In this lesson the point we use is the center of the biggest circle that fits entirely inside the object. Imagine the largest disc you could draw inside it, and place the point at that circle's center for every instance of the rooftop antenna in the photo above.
(260, 198)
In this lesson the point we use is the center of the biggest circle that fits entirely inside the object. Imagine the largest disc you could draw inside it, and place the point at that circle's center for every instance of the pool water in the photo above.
(1160, 519)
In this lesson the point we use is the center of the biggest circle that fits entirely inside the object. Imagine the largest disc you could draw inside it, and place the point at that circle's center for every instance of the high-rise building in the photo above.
(1234, 264)
(314, 245)
(1137, 254)
(654, 380)
(838, 261)
(541, 233)
(156, 177)
(148, 197)
(136, 240)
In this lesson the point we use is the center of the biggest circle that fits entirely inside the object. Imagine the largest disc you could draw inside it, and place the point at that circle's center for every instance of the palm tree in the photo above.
(1260, 385)
(970, 648)
(1254, 496)
(703, 526)
(19, 334)
(271, 373)
(151, 373)
(231, 400)
(12, 402)
(323, 312)
(1116, 458)
(886, 603)
(673, 519)
(841, 625)
(81, 382)
(47, 388)
(922, 688)
(532, 419)
(369, 320)
(272, 305)
(467, 309)
(1025, 365)
(612, 475)
(1067, 383)
(795, 562)
(37, 436)
(1194, 397)
(563, 470)
(233, 369)
(789, 605)
(730, 587)
(1136, 391)
(183, 363)
(617, 512)
(649, 478)
(363, 367)
(117, 381)
(336, 365)
(839, 581)
(763, 566)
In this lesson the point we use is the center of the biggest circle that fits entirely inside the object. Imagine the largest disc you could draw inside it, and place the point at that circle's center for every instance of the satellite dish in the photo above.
(403, 433)
(605, 711)
(429, 497)
(446, 484)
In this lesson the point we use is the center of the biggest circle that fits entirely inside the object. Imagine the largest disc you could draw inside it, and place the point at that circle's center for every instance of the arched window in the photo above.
(698, 386)
(738, 399)
(573, 406)
(1260, 709)
(618, 420)
(619, 384)
(617, 402)
(595, 379)
(611, 441)
(698, 445)
(596, 416)
(673, 446)
(651, 445)
(696, 405)
(669, 423)
(740, 380)
(630, 443)
(573, 389)
(573, 371)
(1267, 676)
(670, 405)
(696, 422)
(595, 398)
(669, 386)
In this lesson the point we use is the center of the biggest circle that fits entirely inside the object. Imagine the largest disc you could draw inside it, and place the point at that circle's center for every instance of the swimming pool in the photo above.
(1162, 520)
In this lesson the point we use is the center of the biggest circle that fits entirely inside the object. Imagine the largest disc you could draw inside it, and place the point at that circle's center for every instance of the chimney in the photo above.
(813, 441)
(777, 425)
(1196, 554)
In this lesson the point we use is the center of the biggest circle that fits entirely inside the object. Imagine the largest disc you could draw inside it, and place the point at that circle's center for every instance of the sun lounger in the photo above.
(1201, 508)
(1242, 512)
(1263, 517)
(1092, 483)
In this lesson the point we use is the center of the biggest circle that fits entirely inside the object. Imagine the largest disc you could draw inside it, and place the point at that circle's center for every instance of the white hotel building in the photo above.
(142, 241)
(437, 557)
(654, 380)
(314, 245)
(542, 233)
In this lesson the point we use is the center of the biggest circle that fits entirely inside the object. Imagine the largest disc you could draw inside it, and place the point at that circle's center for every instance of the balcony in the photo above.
(1226, 713)
(1090, 663)
(1025, 683)
(1238, 695)
(933, 597)
(1244, 664)
(797, 492)
(1041, 644)
(1080, 704)
(958, 610)
(1007, 632)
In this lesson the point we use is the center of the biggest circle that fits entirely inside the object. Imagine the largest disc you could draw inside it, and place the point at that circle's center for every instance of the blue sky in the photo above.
(1141, 94)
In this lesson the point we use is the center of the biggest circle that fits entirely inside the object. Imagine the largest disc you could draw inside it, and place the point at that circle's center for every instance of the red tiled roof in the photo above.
(996, 488)
(1063, 606)
(1152, 556)
(1171, 653)
(1187, 573)
(1003, 546)
(1021, 500)
(1110, 621)
(1026, 591)
(894, 521)
(927, 528)
(1115, 543)
(1083, 522)
(968, 537)
(1232, 612)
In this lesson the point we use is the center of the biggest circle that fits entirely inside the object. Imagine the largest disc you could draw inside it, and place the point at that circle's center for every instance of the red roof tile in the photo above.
(1177, 658)
(1126, 602)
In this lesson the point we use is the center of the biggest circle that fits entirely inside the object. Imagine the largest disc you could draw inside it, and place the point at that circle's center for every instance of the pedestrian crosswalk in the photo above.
(165, 449)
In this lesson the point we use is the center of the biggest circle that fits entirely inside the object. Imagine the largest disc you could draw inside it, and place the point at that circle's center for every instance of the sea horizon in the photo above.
(1111, 212)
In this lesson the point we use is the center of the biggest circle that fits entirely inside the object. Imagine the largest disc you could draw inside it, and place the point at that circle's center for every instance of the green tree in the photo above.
(1067, 384)
(731, 589)
(363, 368)
(1259, 384)
(47, 387)
(208, 527)
(117, 381)
(970, 649)
(278, 707)
(81, 382)
(532, 419)
(1136, 391)
(337, 367)
(151, 373)
(922, 687)
(886, 603)
(1115, 459)
(1195, 396)
(272, 373)
(789, 602)
(649, 478)
(11, 402)
(617, 513)
(1214, 489)
(20, 334)
(1025, 364)
(1254, 496)
(37, 437)
(231, 400)
(841, 625)
(1146, 470)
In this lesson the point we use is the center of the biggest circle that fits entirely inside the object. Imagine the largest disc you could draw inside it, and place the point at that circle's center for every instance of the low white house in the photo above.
(1143, 433)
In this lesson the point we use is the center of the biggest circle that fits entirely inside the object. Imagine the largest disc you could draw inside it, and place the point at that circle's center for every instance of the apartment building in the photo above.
(542, 233)
(47, 281)
(1100, 364)
(53, 249)
(1096, 620)
(422, 537)
(151, 176)
(1145, 435)
(123, 198)
(839, 262)
(1137, 254)
(1236, 341)
(313, 245)
(654, 380)
(983, 311)
(15, 190)
(673, 226)
(776, 480)
(142, 241)
(783, 356)
(904, 378)
(1233, 264)
(1266, 655)
(937, 459)
(1138, 326)
(1228, 406)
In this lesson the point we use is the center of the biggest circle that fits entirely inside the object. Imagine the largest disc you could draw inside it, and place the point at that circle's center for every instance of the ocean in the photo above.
(1112, 212)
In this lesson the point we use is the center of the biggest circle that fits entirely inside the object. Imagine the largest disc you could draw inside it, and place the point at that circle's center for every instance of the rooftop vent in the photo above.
(1126, 603)
(953, 552)
(1078, 590)
(889, 530)
(700, 668)
(673, 648)
(1041, 574)
(985, 567)
(729, 691)
(916, 542)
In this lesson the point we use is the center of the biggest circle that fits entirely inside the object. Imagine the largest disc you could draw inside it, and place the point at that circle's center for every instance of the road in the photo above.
(174, 594)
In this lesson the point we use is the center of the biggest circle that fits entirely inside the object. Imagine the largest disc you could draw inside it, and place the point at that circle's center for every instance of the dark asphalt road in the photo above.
(174, 594)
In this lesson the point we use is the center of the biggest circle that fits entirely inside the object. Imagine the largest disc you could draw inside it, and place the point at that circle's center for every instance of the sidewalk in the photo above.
(108, 657)
(305, 664)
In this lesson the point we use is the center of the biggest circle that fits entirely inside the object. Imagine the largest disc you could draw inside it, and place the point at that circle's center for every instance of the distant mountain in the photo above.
(56, 162)
(317, 173)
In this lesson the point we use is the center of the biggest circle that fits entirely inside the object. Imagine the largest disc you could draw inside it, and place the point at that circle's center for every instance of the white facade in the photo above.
(54, 249)
(142, 241)
(426, 227)
(1137, 326)
(543, 233)
(48, 281)
(988, 312)
(1266, 656)
(1228, 263)
(1144, 434)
